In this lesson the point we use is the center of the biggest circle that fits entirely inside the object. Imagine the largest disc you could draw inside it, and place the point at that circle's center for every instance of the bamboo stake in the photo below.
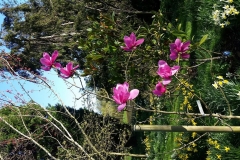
(128, 154)
(170, 128)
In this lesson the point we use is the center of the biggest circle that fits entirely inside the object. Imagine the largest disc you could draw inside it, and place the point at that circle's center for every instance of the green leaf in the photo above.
(179, 34)
(204, 38)
(113, 15)
(179, 26)
(89, 29)
(94, 57)
(154, 41)
(169, 25)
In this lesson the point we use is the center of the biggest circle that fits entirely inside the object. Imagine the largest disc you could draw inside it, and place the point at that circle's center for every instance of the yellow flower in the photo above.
(185, 100)
(210, 141)
(208, 158)
(194, 134)
(180, 156)
(194, 144)
(195, 150)
(193, 122)
(189, 149)
(227, 23)
(178, 139)
(220, 83)
(190, 94)
(220, 77)
(217, 146)
(219, 156)
(215, 85)
(226, 7)
(236, 12)
(208, 152)
(227, 149)
(230, 1)
(189, 107)
(225, 81)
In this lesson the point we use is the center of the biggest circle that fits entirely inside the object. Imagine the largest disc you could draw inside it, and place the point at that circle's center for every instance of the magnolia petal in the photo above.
(162, 63)
(46, 55)
(174, 69)
(126, 49)
(128, 42)
(75, 67)
(64, 76)
(69, 66)
(157, 93)
(116, 97)
(138, 42)
(57, 65)
(133, 38)
(54, 55)
(172, 46)
(185, 46)
(133, 94)
(173, 55)
(164, 72)
(166, 80)
(178, 42)
(65, 72)
(124, 96)
(159, 89)
(118, 85)
(185, 56)
(45, 68)
(121, 107)
(46, 62)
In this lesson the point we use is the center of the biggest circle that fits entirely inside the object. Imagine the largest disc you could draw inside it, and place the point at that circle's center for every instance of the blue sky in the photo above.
(11, 89)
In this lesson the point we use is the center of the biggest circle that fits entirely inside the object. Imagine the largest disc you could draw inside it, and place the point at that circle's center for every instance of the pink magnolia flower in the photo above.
(160, 89)
(68, 71)
(131, 42)
(166, 72)
(49, 62)
(121, 95)
(179, 48)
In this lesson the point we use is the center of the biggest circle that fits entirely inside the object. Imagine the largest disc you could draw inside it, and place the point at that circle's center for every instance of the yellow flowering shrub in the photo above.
(223, 11)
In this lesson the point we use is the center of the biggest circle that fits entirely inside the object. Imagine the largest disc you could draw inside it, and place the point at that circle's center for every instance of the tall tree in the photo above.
(40, 25)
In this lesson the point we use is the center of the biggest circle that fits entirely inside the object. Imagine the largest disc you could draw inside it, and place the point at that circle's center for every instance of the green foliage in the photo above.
(105, 133)
(25, 119)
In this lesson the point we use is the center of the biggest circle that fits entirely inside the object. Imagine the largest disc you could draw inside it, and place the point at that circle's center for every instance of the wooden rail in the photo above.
(170, 128)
